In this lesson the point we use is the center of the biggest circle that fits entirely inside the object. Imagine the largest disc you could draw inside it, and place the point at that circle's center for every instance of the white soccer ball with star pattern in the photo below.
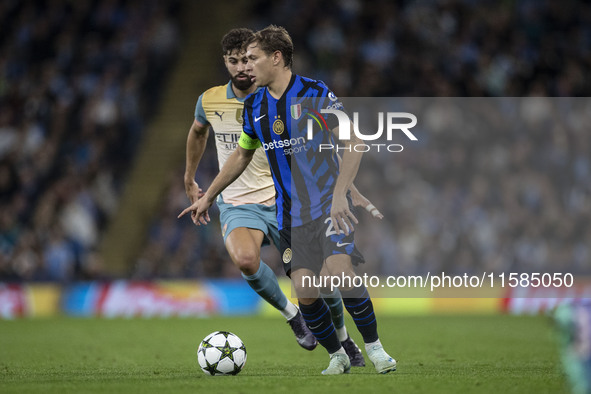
(221, 353)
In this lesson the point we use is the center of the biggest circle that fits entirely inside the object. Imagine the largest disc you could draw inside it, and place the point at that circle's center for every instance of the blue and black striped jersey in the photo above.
(304, 175)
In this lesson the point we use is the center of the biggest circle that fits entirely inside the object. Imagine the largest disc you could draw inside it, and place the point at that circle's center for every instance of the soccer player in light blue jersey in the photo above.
(314, 209)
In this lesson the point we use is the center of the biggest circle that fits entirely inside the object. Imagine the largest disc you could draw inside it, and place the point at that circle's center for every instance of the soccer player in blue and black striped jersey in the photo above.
(247, 207)
(313, 207)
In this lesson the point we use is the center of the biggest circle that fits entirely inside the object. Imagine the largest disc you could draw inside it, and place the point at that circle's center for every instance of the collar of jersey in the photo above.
(287, 89)
(230, 93)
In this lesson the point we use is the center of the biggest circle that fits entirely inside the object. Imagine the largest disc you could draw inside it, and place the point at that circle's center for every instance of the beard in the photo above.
(241, 84)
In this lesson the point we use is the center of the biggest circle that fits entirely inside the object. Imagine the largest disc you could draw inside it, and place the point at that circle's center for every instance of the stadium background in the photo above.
(96, 98)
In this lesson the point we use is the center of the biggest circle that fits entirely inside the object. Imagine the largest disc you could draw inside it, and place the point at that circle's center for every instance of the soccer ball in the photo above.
(221, 353)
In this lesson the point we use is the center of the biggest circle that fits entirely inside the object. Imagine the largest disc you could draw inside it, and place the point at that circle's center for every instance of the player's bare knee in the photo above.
(347, 282)
(303, 288)
(247, 262)
(305, 292)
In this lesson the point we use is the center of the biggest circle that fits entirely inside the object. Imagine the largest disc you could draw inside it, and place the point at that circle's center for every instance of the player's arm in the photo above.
(234, 166)
(196, 143)
(341, 215)
(359, 200)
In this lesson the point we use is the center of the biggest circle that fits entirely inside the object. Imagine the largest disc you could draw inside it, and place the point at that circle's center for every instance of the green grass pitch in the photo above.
(436, 354)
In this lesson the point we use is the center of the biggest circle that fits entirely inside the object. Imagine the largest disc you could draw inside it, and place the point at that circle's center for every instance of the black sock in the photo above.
(318, 320)
(360, 308)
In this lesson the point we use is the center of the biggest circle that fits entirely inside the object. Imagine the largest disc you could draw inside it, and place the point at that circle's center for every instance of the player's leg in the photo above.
(335, 304)
(302, 259)
(319, 321)
(244, 246)
(359, 305)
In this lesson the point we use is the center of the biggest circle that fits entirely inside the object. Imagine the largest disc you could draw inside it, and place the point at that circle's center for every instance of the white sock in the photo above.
(290, 311)
(372, 344)
(341, 350)
(342, 334)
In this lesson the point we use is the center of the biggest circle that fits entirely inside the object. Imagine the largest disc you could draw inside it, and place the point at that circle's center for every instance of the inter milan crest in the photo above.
(278, 126)
(287, 256)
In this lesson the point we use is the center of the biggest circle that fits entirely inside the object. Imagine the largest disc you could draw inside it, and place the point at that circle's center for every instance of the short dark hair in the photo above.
(235, 38)
(274, 38)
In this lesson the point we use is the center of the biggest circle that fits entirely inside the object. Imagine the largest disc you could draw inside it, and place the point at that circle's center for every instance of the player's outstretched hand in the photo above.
(342, 218)
(359, 200)
(194, 192)
(198, 209)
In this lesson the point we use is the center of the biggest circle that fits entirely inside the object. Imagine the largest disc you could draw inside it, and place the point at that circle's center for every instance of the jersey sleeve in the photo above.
(328, 100)
(200, 112)
(247, 119)
(248, 139)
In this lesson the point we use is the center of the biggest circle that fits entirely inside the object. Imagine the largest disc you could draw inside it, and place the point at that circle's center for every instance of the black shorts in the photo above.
(308, 245)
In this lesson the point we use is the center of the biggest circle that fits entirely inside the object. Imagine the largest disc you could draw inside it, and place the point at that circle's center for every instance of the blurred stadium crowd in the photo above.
(493, 185)
(439, 47)
(517, 199)
(77, 82)
(462, 200)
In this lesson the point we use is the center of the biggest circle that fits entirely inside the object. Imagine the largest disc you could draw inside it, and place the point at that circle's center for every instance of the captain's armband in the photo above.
(247, 142)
